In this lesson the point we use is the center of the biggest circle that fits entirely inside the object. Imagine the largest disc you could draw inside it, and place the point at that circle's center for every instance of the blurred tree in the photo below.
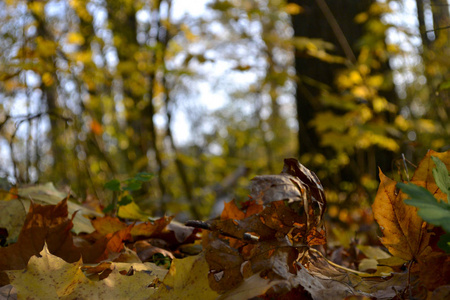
(428, 98)
(92, 90)
(345, 107)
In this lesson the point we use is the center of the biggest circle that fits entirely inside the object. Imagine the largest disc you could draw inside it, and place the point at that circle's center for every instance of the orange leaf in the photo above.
(96, 127)
(107, 225)
(231, 211)
(423, 176)
(405, 234)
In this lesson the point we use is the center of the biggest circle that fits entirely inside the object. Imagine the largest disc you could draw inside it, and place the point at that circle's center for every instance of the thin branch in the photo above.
(436, 29)
(337, 30)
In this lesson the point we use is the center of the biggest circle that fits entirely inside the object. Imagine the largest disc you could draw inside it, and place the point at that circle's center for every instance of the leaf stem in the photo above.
(336, 265)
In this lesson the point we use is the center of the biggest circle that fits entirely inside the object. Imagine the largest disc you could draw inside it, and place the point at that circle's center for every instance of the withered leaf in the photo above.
(285, 213)
(405, 233)
(50, 224)
(423, 176)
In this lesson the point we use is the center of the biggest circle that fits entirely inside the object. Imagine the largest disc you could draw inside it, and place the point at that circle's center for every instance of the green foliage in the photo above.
(122, 189)
(442, 177)
(432, 210)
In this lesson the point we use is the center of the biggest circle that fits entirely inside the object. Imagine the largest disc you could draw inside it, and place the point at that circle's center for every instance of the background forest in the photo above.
(208, 95)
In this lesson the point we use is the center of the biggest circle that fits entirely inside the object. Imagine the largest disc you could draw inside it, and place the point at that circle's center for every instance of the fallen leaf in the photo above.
(50, 277)
(48, 194)
(187, 279)
(423, 176)
(145, 250)
(435, 270)
(405, 233)
(133, 211)
(231, 211)
(50, 224)
(12, 217)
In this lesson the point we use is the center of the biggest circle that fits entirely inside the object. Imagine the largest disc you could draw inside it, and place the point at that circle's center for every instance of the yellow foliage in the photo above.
(293, 9)
(45, 48)
(402, 123)
(190, 36)
(80, 7)
(361, 17)
(133, 211)
(327, 120)
(365, 114)
(187, 279)
(355, 77)
(426, 125)
(375, 81)
(75, 38)
(47, 79)
(361, 92)
(380, 104)
(37, 7)
(50, 277)
(83, 56)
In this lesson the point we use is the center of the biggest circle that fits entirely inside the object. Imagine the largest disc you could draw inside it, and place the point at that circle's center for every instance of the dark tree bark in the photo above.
(331, 21)
(313, 24)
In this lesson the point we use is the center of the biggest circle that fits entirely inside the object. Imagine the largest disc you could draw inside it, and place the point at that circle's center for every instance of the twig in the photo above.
(436, 29)
(337, 30)
(406, 167)
(336, 265)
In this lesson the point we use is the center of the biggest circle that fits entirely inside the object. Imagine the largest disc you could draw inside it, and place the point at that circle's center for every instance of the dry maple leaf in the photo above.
(50, 224)
(406, 235)
(283, 218)
(50, 277)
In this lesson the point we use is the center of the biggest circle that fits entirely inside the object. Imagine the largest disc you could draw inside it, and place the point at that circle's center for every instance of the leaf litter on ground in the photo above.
(270, 247)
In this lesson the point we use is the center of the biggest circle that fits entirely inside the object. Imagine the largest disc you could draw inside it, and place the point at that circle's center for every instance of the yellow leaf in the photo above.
(355, 77)
(48, 194)
(12, 217)
(47, 79)
(75, 38)
(361, 17)
(44, 47)
(423, 176)
(37, 7)
(50, 277)
(133, 211)
(405, 234)
(373, 252)
(46, 277)
(187, 279)
(293, 9)
(402, 123)
(376, 80)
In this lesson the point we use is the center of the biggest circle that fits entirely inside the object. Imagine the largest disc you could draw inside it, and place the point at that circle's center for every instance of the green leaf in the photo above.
(113, 185)
(125, 200)
(144, 176)
(441, 176)
(444, 242)
(108, 208)
(132, 185)
(161, 260)
(430, 209)
(445, 85)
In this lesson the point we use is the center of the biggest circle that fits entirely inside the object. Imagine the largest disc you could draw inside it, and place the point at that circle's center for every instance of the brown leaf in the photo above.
(145, 250)
(50, 224)
(224, 265)
(405, 234)
(109, 224)
(42, 224)
(423, 176)
(435, 270)
(231, 211)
